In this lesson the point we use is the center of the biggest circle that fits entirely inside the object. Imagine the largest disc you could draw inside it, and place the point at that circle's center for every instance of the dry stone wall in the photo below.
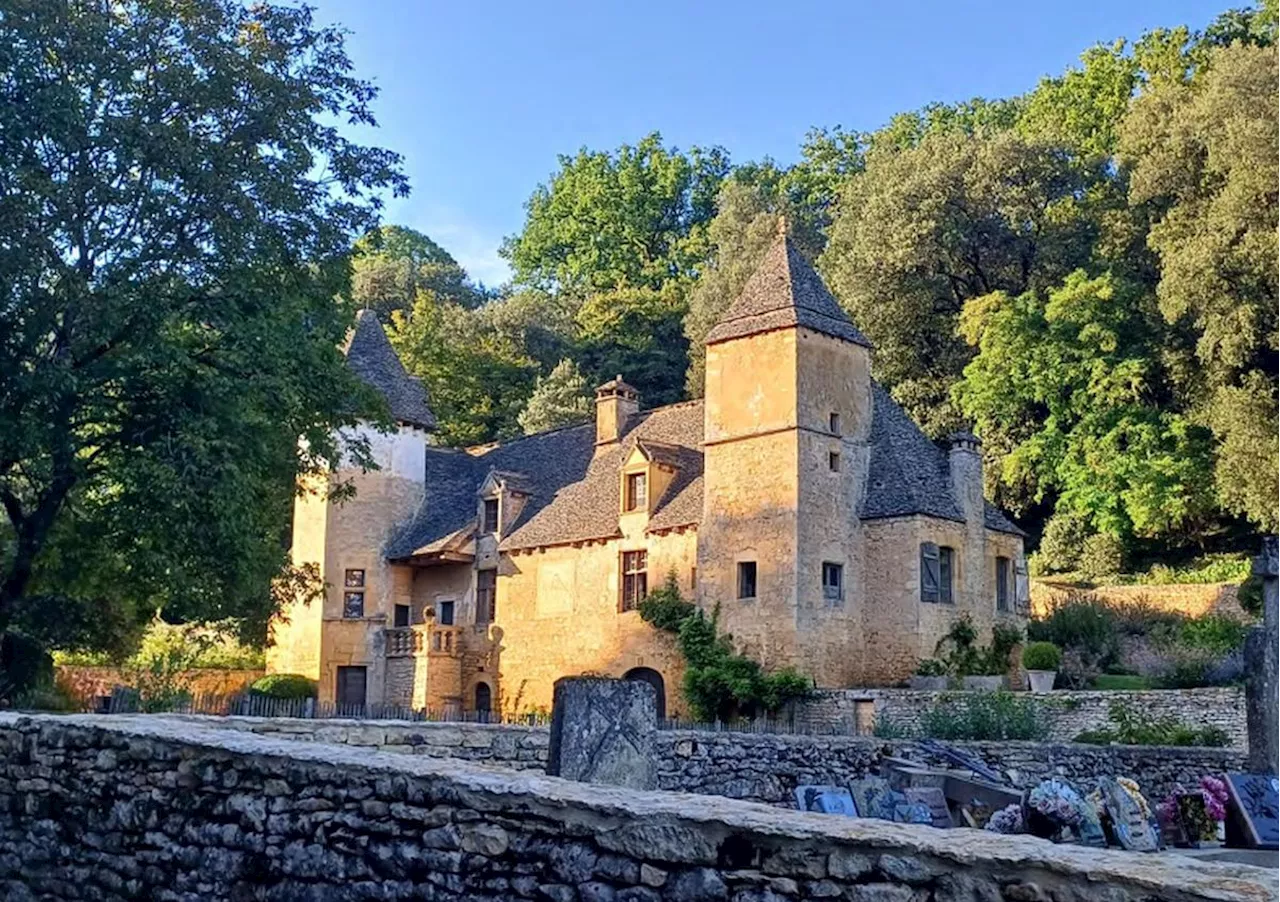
(753, 767)
(177, 812)
(1073, 712)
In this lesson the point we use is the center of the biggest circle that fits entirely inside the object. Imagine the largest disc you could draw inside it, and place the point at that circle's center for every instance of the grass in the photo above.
(1122, 681)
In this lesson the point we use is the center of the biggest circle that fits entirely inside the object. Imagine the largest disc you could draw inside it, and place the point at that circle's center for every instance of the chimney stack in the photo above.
(965, 458)
(616, 402)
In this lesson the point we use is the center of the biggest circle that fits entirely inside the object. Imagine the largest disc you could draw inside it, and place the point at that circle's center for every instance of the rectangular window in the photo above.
(746, 579)
(834, 423)
(401, 615)
(354, 579)
(635, 581)
(833, 461)
(929, 572)
(486, 596)
(833, 583)
(693, 577)
(1003, 571)
(444, 616)
(490, 515)
(637, 492)
(946, 574)
(353, 605)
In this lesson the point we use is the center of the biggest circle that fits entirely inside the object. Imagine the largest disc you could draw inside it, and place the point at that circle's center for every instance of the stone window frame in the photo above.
(833, 591)
(833, 461)
(355, 589)
(486, 607)
(748, 576)
(937, 573)
(1004, 584)
(635, 491)
(833, 423)
(492, 503)
(633, 581)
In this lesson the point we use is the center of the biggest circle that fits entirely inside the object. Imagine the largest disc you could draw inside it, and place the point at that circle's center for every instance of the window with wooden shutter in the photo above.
(946, 574)
(929, 572)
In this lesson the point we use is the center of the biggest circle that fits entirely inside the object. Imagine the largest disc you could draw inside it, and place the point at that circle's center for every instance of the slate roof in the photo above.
(784, 291)
(371, 357)
(573, 486)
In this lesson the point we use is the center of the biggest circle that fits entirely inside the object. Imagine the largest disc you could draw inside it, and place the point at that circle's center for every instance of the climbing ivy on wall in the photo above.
(719, 683)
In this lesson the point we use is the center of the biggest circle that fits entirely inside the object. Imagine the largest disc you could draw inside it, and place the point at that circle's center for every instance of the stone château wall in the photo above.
(94, 808)
(755, 767)
(1073, 712)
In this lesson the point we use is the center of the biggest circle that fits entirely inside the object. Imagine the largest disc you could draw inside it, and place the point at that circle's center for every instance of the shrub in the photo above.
(1042, 656)
(995, 657)
(1082, 623)
(986, 716)
(931, 667)
(1210, 568)
(886, 727)
(665, 608)
(285, 686)
(1213, 632)
(1132, 727)
(958, 649)
(1102, 555)
(1060, 545)
(1250, 595)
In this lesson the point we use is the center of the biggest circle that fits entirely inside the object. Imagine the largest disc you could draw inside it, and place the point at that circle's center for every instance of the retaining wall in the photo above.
(754, 767)
(88, 682)
(1192, 599)
(1073, 712)
(96, 808)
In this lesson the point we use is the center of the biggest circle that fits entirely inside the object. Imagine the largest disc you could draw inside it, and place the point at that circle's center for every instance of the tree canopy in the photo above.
(172, 250)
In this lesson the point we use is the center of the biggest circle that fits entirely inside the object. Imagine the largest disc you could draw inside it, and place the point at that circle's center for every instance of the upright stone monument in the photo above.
(1262, 661)
(602, 731)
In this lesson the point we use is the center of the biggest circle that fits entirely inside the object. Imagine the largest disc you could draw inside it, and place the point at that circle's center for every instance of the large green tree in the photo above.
(177, 209)
(930, 225)
(633, 218)
(1203, 151)
(561, 398)
(392, 264)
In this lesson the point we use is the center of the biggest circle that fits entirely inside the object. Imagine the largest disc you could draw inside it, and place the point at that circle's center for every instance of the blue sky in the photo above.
(479, 98)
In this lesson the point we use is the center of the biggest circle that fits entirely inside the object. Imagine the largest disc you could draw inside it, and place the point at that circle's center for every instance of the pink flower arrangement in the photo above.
(1214, 791)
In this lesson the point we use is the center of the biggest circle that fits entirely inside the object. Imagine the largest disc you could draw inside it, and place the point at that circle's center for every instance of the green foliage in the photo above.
(639, 333)
(1102, 555)
(1213, 632)
(562, 398)
(1060, 545)
(665, 608)
(1250, 595)
(214, 646)
(1083, 623)
(986, 716)
(929, 667)
(393, 264)
(632, 218)
(719, 683)
(1133, 727)
(1209, 568)
(170, 276)
(289, 686)
(1041, 656)
(962, 656)
(1127, 681)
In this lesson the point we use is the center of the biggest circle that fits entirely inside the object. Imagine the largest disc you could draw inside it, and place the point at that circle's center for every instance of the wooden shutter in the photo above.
(929, 572)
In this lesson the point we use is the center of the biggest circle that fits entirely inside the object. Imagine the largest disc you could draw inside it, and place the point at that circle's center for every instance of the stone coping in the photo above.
(635, 821)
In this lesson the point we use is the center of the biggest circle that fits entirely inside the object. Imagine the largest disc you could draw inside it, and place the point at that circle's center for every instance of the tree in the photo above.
(744, 228)
(928, 227)
(635, 218)
(177, 210)
(1073, 379)
(1203, 151)
(562, 398)
(392, 264)
(639, 333)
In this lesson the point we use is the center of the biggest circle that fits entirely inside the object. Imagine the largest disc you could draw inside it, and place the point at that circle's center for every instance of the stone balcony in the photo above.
(422, 639)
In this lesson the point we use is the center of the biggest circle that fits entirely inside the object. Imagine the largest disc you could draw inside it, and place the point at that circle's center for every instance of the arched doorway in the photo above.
(654, 679)
(484, 701)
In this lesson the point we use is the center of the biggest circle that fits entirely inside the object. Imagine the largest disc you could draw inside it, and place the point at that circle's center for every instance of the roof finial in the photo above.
(782, 225)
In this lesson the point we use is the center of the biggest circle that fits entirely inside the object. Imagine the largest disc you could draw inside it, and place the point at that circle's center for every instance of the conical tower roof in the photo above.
(371, 357)
(784, 292)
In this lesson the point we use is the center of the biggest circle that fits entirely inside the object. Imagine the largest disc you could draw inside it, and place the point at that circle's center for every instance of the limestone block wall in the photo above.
(1073, 712)
(170, 811)
(1194, 599)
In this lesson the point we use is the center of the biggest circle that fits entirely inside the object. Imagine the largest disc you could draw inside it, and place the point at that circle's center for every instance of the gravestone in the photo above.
(825, 799)
(1130, 826)
(932, 798)
(1253, 811)
(1262, 660)
(602, 731)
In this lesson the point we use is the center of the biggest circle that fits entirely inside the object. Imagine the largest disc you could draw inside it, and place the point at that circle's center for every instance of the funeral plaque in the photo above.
(1253, 815)
(825, 799)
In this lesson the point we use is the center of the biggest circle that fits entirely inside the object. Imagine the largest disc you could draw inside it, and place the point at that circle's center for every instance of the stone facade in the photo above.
(492, 572)
(172, 812)
(1072, 712)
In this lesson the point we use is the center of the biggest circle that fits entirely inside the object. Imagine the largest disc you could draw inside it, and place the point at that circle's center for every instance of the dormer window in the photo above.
(636, 495)
(490, 524)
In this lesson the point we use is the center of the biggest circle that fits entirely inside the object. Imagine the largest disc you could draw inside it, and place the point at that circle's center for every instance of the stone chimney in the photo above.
(616, 402)
(965, 459)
